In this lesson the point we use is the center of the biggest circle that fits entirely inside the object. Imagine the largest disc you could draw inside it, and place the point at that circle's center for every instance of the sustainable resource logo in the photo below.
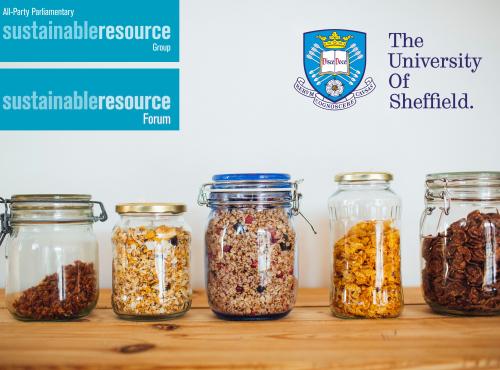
(89, 99)
(334, 65)
(89, 31)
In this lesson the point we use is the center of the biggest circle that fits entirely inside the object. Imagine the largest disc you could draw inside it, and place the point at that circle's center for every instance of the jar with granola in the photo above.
(364, 223)
(251, 248)
(52, 256)
(460, 241)
(151, 261)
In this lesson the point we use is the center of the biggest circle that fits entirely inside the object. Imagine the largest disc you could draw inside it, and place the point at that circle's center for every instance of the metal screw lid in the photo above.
(167, 208)
(356, 177)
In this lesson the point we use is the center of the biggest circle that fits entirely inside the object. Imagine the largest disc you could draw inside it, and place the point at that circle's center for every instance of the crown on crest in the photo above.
(334, 41)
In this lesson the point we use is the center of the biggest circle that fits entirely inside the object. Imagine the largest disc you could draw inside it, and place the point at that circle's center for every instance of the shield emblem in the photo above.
(334, 61)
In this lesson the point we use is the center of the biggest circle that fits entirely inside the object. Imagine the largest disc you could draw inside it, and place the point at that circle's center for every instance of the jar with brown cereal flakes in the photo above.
(151, 261)
(52, 255)
(364, 223)
(251, 248)
(460, 241)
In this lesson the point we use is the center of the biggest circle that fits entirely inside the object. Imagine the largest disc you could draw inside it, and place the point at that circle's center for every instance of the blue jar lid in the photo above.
(238, 189)
(252, 180)
(251, 177)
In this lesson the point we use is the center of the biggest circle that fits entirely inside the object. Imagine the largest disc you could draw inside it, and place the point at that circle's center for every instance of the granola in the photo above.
(59, 297)
(462, 266)
(366, 272)
(151, 271)
(251, 255)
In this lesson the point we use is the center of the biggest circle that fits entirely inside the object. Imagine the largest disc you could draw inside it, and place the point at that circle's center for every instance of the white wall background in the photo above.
(239, 113)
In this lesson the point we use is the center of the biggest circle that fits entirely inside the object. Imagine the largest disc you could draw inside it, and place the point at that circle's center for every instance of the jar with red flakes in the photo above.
(51, 255)
(460, 241)
(251, 245)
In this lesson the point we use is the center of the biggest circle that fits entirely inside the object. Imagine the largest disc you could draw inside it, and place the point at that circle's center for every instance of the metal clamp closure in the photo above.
(444, 195)
(207, 188)
(6, 216)
(5, 228)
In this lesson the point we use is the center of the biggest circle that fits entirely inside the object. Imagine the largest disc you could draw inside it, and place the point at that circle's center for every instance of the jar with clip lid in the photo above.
(251, 245)
(52, 255)
(460, 241)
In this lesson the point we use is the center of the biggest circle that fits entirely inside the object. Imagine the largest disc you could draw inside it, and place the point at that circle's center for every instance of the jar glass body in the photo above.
(460, 244)
(151, 266)
(52, 271)
(365, 250)
(251, 261)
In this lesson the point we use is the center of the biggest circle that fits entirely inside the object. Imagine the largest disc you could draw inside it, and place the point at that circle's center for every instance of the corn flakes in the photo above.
(366, 272)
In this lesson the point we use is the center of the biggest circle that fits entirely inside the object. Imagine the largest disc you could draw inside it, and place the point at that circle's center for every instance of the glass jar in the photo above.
(460, 241)
(365, 237)
(151, 261)
(251, 248)
(52, 256)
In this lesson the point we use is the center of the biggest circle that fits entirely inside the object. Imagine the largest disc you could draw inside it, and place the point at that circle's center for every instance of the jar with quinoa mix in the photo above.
(151, 261)
(460, 241)
(52, 255)
(251, 249)
(364, 220)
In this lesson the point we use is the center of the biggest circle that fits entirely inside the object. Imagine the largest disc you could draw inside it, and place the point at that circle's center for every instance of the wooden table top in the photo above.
(310, 337)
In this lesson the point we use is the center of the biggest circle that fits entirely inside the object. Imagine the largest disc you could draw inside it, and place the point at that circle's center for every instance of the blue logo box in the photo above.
(89, 99)
(96, 31)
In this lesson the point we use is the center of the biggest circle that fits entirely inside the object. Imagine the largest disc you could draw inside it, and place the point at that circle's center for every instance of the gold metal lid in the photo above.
(363, 176)
(169, 208)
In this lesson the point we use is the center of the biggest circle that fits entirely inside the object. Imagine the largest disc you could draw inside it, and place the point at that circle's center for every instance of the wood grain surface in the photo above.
(310, 337)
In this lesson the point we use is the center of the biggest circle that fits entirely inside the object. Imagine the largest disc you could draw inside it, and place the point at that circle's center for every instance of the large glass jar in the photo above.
(251, 249)
(151, 261)
(52, 256)
(460, 240)
(364, 222)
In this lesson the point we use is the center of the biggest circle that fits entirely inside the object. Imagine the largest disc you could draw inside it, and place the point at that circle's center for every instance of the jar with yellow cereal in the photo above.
(151, 261)
(365, 239)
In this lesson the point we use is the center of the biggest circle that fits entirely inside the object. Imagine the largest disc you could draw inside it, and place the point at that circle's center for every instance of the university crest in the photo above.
(334, 65)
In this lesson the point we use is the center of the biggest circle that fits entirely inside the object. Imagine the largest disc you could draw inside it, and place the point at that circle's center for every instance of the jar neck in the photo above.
(247, 192)
(151, 216)
(70, 227)
(256, 206)
(368, 185)
(251, 199)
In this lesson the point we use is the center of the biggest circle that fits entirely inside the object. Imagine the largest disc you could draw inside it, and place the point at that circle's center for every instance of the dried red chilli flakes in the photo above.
(43, 301)
(456, 263)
